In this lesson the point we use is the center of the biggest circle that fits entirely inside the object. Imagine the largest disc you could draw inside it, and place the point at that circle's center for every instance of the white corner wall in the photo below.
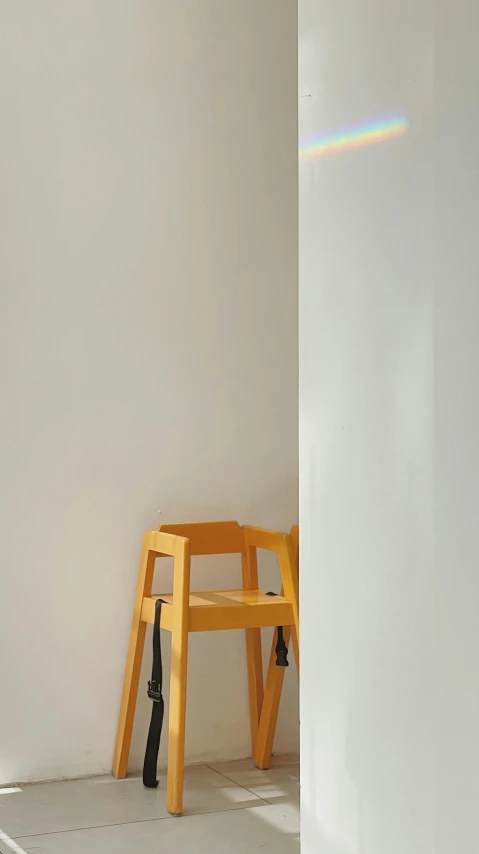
(389, 426)
(148, 345)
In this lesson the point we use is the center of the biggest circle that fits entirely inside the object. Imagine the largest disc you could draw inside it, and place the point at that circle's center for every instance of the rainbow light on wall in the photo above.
(370, 134)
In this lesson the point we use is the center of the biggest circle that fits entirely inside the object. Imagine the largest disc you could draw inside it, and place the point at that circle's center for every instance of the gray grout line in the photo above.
(269, 803)
(260, 803)
(10, 843)
(225, 776)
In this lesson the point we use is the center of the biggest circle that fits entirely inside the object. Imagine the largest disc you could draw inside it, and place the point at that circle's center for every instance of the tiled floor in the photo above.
(230, 807)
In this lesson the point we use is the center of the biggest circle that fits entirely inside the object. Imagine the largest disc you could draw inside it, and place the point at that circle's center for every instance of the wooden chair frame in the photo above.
(248, 608)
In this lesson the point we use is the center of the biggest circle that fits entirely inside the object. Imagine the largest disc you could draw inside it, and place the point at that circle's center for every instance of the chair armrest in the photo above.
(165, 544)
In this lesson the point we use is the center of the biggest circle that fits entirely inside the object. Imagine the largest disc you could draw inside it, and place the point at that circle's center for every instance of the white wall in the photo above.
(389, 425)
(148, 344)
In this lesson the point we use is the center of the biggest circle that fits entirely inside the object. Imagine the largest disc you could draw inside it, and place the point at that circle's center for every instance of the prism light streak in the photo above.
(370, 134)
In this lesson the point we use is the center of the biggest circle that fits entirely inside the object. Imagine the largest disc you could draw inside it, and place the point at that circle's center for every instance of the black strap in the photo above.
(155, 686)
(281, 648)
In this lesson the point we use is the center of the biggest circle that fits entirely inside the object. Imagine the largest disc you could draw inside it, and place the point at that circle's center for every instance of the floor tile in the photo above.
(68, 805)
(280, 784)
(8, 846)
(268, 829)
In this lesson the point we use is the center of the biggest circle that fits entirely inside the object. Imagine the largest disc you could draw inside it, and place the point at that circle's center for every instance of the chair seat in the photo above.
(216, 610)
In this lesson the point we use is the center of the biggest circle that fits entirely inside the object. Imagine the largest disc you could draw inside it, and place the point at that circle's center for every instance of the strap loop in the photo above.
(155, 687)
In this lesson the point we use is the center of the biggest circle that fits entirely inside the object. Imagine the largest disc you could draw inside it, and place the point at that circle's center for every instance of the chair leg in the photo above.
(269, 712)
(255, 680)
(133, 666)
(275, 676)
(254, 659)
(294, 638)
(295, 632)
(178, 679)
(177, 723)
(272, 696)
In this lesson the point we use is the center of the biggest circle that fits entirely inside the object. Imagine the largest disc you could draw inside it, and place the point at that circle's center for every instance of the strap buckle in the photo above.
(281, 648)
(153, 692)
(282, 657)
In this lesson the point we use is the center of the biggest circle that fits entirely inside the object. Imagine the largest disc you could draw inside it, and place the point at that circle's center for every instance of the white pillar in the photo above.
(389, 422)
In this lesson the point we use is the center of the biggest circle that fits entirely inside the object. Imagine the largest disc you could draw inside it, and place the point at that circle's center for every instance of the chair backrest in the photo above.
(295, 539)
(210, 538)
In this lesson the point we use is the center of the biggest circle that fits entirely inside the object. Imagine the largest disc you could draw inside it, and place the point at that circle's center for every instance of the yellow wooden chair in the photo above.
(263, 747)
(182, 612)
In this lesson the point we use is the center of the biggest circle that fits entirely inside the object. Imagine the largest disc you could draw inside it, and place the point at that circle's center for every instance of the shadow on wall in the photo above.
(282, 498)
(315, 839)
(372, 724)
(323, 844)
